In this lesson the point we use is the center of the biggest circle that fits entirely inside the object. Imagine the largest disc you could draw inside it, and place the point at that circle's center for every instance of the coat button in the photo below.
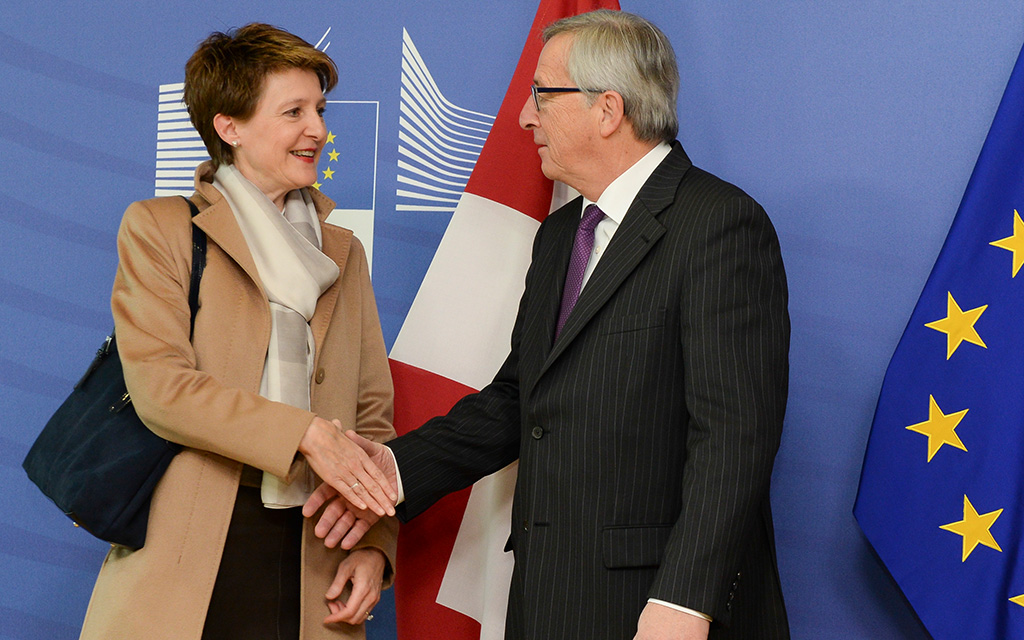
(537, 433)
(320, 373)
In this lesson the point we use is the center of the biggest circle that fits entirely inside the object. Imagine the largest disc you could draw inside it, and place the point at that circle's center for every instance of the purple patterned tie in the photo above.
(581, 249)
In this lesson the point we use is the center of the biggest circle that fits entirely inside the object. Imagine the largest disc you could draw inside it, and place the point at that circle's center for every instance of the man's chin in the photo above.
(551, 173)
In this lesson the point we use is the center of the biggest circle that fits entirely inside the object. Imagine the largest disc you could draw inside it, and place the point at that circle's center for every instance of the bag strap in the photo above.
(198, 265)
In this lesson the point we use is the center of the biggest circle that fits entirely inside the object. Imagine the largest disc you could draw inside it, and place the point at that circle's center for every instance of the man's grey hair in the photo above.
(622, 52)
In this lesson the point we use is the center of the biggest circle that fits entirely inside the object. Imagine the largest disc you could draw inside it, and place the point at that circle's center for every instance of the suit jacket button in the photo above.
(320, 373)
(538, 433)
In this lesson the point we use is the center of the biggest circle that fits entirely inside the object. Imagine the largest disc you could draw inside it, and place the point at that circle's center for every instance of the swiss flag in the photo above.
(453, 576)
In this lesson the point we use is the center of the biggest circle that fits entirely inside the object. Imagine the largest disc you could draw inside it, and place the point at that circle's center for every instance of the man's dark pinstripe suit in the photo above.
(647, 431)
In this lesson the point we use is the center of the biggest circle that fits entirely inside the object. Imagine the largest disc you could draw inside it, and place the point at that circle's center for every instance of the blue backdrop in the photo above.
(855, 124)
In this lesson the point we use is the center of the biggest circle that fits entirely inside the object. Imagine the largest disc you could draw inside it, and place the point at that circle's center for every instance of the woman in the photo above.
(286, 339)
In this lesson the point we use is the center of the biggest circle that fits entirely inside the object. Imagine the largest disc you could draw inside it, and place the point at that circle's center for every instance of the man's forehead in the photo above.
(553, 58)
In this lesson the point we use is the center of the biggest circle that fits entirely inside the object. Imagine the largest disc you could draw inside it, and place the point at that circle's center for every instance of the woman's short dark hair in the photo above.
(227, 72)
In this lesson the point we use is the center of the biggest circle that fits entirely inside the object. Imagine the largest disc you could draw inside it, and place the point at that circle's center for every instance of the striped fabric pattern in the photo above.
(646, 432)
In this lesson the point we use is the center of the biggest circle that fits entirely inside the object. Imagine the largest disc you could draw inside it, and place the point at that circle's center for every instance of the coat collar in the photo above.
(218, 221)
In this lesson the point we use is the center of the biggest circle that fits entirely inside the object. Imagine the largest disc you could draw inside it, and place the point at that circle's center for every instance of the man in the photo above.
(647, 415)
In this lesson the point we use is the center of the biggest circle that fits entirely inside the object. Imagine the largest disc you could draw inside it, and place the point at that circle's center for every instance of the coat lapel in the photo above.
(219, 223)
(639, 232)
(336, 245)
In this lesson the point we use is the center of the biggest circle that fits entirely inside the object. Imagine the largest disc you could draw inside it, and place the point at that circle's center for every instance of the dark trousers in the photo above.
(256, 596)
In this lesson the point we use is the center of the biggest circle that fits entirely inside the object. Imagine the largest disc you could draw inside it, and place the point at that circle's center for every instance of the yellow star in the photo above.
(334, 155)
(328, 174)
(317, 185)
(974, 528)
(939, 428)
(1018, 600)
(330, 138)
(1014, 243)
(958, 325)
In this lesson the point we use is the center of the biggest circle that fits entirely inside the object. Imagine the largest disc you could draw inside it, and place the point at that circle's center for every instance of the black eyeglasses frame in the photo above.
(535, 91)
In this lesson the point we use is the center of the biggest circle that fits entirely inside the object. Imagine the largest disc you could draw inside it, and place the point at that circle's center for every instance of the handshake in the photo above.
(360, 482)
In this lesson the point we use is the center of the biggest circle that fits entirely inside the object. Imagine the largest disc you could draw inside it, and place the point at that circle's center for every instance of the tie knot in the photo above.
(591, 216)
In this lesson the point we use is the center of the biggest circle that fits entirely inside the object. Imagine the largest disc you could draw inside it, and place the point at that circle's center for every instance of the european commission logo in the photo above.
(439, 144)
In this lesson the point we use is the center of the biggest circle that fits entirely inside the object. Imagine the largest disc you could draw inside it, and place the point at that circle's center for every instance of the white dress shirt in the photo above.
(615, 201)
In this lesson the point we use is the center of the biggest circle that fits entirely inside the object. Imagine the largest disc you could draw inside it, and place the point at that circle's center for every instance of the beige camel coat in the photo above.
(204, 395)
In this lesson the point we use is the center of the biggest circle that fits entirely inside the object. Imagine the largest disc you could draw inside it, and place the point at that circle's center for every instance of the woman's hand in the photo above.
(364, 569)
(342, 521)
(346, 468)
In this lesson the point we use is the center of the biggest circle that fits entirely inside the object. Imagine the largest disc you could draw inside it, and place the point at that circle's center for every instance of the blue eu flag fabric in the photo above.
(941, 495)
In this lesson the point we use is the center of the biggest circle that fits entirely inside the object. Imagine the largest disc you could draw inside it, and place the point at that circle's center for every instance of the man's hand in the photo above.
(658, 622)
(347, 468)
(342, 521)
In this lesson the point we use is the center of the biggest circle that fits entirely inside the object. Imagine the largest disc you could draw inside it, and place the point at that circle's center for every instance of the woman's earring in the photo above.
(234, 143)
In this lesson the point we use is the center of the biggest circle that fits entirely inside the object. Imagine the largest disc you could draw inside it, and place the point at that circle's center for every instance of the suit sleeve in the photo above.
(479, 436)
(735, 342)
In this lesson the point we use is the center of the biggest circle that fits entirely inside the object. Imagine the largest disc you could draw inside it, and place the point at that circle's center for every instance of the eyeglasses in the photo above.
(535, 90)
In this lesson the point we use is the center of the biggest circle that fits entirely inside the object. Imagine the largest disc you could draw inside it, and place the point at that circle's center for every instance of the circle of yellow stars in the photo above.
(940, 428)
(333, 155)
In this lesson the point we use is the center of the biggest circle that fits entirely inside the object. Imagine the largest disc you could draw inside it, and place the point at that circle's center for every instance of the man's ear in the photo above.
(225, 127)
(611, 112)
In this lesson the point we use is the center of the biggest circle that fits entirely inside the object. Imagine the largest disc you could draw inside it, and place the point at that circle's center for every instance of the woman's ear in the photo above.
(225, 127)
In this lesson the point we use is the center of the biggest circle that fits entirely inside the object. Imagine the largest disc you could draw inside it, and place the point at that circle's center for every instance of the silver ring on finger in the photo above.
(356, 485)
(369, 616)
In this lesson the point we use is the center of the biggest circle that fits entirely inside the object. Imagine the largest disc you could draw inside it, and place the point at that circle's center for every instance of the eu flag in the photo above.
(941, 495)
(349, 159)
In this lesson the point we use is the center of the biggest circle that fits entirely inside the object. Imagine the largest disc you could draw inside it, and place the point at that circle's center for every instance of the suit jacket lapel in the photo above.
(544, 284)
(553, 266)
(639, 232)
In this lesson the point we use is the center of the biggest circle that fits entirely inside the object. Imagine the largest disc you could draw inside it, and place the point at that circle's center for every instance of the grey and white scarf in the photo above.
(294, 273)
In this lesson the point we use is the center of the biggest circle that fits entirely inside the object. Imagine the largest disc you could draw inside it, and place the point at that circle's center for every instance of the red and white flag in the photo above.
(454, 575)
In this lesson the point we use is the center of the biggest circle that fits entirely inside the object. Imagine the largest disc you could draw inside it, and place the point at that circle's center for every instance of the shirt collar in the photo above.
(621, 193)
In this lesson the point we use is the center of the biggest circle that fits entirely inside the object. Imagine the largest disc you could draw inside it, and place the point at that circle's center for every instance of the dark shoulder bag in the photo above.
(95, 458)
